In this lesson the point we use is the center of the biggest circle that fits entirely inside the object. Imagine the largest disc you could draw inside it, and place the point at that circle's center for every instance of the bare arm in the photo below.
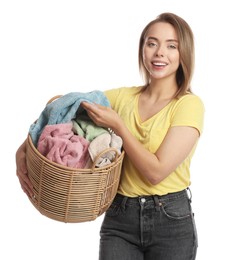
(21, 170)
(176, 146)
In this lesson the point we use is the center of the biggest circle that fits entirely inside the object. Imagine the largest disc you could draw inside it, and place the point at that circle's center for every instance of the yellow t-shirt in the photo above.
(185, 111)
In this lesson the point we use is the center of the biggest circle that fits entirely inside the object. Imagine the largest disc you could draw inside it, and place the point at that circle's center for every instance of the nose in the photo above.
(160, 52)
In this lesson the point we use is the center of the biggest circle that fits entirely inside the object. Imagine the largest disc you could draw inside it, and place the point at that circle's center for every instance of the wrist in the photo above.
(118, 127)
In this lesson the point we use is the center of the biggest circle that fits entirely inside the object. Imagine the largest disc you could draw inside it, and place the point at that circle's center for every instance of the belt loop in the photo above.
(123, 203)
(189, 193)
(156, 202)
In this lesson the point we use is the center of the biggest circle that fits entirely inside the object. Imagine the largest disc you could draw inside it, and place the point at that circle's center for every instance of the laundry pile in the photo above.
(66, 135)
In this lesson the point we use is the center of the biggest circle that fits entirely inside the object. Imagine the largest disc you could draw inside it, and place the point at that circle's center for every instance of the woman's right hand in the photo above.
(21, 170)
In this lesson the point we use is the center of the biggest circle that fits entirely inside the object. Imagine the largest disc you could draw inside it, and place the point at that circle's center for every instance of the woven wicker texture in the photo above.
(71, 195)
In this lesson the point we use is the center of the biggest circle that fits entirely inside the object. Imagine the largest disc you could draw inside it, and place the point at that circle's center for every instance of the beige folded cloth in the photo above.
(101, 143)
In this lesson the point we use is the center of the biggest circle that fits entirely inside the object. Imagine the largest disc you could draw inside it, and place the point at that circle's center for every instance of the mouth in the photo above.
(159, 64)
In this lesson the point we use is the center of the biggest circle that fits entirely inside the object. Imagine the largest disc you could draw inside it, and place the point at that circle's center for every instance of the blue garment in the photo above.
(64, 109)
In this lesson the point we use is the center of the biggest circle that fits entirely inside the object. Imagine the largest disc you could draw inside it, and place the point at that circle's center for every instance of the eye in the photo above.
(172, 46)
(151, 44)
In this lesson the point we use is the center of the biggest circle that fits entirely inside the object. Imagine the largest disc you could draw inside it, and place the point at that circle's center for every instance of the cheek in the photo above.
(175, 60)
(146, 58)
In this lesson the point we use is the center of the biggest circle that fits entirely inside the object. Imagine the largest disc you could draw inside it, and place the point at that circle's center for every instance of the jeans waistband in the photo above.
(124, 200)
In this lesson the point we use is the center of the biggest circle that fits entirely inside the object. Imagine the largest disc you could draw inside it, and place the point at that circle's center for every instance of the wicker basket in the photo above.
(71, 195)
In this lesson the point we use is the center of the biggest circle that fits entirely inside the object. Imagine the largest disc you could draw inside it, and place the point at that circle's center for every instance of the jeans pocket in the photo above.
(177, 209)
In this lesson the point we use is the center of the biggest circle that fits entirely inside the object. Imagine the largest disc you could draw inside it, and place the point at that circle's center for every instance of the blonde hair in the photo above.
(186, 51)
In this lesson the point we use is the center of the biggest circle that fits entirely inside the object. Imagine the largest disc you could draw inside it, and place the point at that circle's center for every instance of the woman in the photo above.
(160, 124)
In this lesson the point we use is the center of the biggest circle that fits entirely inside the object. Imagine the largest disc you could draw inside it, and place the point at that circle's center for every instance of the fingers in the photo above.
(90, 107)
(100, 115)
(26, 188)
(26, 184)
(24, 180)
(22, 172)
(94, 111)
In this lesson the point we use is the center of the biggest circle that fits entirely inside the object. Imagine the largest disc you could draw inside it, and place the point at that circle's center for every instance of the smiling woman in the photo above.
(176, 38)
(160, 134)
(160, 124)
(161, 55)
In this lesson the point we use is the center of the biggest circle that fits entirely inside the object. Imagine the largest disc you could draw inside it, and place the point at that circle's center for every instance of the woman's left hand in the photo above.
(102, 116)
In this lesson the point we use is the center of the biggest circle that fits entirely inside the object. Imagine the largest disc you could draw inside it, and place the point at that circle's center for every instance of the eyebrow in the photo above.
(156, 39)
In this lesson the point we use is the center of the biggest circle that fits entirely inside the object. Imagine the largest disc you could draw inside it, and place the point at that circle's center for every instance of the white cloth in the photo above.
(101, 143)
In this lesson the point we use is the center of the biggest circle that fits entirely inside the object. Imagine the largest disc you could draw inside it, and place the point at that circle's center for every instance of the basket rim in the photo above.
(63, 167)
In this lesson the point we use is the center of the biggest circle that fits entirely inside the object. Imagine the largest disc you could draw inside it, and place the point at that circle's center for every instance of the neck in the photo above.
(161, 89)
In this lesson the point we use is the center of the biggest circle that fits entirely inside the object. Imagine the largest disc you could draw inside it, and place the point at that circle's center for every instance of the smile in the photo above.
(159, 64)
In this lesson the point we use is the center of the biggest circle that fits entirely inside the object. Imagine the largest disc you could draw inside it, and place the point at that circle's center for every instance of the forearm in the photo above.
(22, 148)
(147, 163)
(155, 167)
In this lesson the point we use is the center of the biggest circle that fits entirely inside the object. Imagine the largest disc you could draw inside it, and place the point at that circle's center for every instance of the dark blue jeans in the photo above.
(149, 228)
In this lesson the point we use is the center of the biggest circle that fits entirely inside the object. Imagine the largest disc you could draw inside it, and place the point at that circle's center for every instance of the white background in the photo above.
(52, 47)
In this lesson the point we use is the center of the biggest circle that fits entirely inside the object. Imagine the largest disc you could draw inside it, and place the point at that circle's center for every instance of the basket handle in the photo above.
(102, 153)
(53, 98)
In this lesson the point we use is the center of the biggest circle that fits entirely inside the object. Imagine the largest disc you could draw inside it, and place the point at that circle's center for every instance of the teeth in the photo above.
(159, 64)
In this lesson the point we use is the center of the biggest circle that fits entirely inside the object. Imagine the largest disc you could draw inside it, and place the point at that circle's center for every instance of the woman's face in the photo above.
(160, 51)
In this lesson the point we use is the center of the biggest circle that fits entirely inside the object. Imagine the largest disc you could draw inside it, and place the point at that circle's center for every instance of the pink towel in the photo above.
(59, 144)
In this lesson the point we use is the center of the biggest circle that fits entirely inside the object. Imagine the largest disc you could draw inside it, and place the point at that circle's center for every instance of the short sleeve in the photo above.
(112, 96)
(189, 111)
